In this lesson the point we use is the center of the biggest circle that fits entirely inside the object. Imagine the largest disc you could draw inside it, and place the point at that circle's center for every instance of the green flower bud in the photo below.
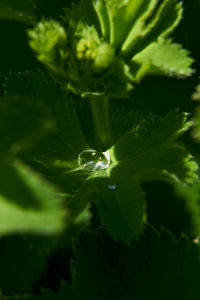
(48, 40)
(91, 52)
(104, 56)
(86, 50)
(111, 46)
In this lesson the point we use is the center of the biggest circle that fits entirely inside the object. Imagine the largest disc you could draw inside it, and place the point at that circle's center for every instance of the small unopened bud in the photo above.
(46, 38)
(104, 56)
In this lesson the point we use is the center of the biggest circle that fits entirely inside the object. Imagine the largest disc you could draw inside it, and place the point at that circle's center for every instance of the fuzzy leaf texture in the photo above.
(167, 162)
(164, 57)
(56, 156)
(156, 138)
(131, 167)
(165, 19)
(93, 54)
(119, 196)
(157, 264)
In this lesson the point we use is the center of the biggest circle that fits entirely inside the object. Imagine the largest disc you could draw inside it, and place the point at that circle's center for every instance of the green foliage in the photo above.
(80, 149)
(160, 25)
(104, 54)
(35, 118)
(31, 206)
(155, 138)
(158, 255)
(130, 166)
(49, 40)
(156, 264)
(190, 194)
(163, 57)
(120, 197)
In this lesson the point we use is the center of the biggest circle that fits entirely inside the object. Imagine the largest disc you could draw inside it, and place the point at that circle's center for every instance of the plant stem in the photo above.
(99, 107)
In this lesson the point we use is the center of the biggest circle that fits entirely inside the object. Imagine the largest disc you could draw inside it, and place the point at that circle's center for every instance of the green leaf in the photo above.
(57, 163)
(21, 120)
(120, 203)
(50, 155)
(69, 126)
(75, 184)
(83, 12)
(59, 146)
(157, 264)
(20, 10)
(101, 39)
(103, 274)
(55, 154)
(102, 12)
(130, 166)
(26, 110)
(190, 196)
(124, 15)
(106, 189)
(155, 138)
(31, 205)
(32, 84)
(165, 57)
(164, 21)
(116, 194)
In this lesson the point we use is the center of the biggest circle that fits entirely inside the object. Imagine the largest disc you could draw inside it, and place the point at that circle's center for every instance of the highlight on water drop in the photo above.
(93, 160)
(112, 187)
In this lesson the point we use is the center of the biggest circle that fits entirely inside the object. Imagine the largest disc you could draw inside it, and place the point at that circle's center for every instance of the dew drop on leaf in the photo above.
(93, 160)
(112, 187)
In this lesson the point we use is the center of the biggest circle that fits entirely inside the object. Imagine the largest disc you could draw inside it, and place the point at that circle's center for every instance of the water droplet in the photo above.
(112, 187)
(93, 160)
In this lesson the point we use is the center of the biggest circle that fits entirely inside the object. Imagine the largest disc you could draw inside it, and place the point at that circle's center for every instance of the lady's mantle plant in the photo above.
(103, 47)
(100, 50)
(72, 155)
